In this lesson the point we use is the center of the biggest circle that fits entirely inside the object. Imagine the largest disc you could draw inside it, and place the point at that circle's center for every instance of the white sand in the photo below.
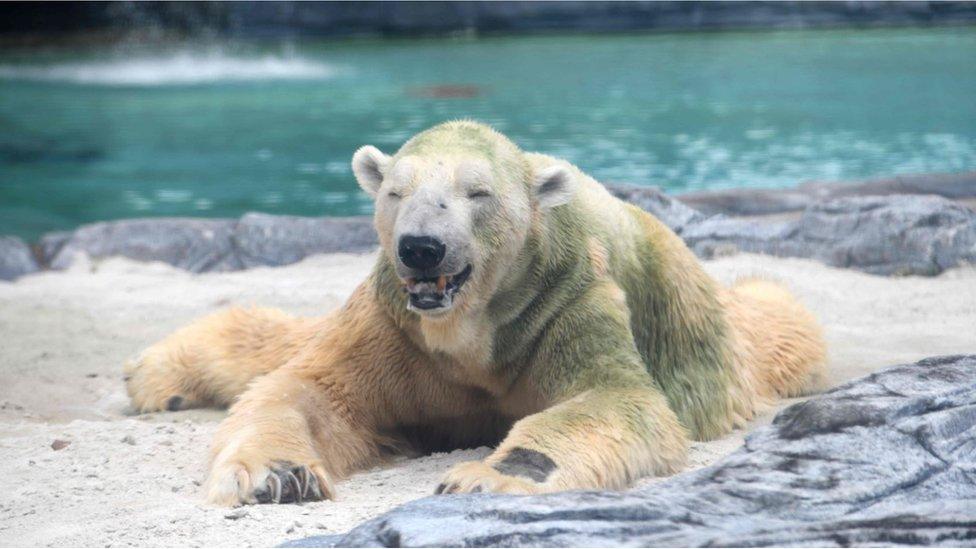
(63, 337)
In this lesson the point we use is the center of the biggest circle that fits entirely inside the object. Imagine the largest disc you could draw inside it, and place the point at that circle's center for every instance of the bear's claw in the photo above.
(474, 477)
(290, 483)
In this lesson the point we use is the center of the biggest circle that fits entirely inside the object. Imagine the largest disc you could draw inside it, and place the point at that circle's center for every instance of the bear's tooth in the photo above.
(441, 283)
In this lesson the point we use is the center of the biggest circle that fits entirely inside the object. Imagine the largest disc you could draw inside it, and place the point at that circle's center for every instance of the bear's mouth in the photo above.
(435, 292)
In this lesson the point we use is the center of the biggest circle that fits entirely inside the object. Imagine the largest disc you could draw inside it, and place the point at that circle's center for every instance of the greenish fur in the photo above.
(683, 342)
(555, 318)
(454, 137)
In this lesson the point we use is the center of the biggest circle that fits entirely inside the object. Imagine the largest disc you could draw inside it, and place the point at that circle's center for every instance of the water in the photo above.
(217, 132)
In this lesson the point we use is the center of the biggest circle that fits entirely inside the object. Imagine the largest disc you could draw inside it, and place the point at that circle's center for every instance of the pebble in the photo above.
(59, 444)
(235, 514)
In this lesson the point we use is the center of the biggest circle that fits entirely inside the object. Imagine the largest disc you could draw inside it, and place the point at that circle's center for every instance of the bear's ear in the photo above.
(554, 186)
(368, 164)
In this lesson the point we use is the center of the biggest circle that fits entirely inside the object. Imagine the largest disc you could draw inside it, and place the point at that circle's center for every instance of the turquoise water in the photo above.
(216, 132)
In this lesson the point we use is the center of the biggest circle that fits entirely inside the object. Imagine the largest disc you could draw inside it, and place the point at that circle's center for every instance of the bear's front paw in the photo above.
(277, 482)
(474, 476)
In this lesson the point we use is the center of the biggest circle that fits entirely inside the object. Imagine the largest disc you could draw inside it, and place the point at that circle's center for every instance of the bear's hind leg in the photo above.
(211, 361)
(780, 344)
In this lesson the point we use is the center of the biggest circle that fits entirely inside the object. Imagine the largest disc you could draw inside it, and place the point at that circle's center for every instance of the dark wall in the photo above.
(281, 19)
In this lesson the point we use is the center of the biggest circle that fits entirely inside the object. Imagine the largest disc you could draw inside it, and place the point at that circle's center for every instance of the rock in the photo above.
(59, 444)
(50, 244)
(883, 460)
(670, 211)
(720, 236)
(746, 201)
(950, 185)
(263, 239)
(209, 245)
(16, 258)
(889, 235)
(236, 514)
(197, 245)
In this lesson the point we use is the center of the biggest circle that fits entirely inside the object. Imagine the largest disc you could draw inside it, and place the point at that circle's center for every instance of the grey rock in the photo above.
(16, 258)
(949, 185)
(670, 211)
(50, 244)
(236, 514)
(746, 201)
(886, 235)
(197, 245)
(884, 460)
(263, 239)
(207, 245)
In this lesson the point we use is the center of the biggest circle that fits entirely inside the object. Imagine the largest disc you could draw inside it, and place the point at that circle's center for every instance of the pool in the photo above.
(217, 131)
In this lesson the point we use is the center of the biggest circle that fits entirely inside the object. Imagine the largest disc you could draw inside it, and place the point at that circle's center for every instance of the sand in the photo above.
(135, 480)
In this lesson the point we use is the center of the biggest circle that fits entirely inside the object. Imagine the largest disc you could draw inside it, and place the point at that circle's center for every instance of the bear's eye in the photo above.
(393, 195)
(481, 193)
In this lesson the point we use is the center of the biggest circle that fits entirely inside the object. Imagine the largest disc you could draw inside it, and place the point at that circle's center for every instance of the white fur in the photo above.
(369, 164)
(554, 185)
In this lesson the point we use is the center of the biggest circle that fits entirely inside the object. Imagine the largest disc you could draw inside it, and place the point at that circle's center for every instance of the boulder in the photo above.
(670, 211)
(747, 201)
(50, 244)
(950, 185)
(16, 258)
(209, 245)
(263, 239)
(883, 460)
(197, 245)
(885, 235)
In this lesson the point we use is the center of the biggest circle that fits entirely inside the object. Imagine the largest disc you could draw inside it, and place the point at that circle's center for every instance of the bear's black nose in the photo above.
(421, 252)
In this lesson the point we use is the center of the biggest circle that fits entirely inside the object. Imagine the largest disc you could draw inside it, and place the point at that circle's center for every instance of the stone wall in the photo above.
(289, 19)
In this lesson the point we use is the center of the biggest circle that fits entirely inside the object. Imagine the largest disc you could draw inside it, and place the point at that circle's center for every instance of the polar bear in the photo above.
(514, 303)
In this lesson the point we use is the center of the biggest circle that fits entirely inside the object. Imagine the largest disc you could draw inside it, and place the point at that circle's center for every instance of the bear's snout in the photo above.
(422, 253)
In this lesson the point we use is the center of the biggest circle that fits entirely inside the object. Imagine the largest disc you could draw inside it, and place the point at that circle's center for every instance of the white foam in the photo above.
(182, 68)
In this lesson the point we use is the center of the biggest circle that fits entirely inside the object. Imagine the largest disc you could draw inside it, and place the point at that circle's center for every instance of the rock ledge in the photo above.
(884, 460)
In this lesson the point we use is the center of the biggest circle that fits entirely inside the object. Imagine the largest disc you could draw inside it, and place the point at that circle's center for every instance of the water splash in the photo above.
(178, 69)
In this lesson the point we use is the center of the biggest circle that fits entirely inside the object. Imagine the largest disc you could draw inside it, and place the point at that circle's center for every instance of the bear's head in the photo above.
(454, 208)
